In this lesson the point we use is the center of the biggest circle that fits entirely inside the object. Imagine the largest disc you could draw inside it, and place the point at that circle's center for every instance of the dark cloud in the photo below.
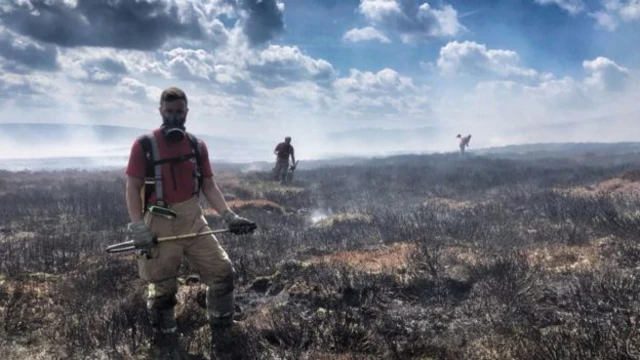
(125, 24)
(263, 21)
(330, 4)
(25, 55)
(104, 71)
(412, 19)
(114, 66)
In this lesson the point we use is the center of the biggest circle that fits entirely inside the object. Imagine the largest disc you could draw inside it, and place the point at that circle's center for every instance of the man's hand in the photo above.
(141, 235)
(237, 224)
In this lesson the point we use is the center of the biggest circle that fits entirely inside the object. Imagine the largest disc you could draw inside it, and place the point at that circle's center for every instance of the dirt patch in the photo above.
(20, 235)
(256, 204)
(561, 259)
(386, 258)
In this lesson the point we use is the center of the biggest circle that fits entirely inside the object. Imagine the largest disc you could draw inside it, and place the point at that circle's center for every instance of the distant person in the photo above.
(283, 151)
(179, 164)
(464, 142)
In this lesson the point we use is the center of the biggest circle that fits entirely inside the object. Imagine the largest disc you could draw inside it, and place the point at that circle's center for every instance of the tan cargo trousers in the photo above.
(160, 267)
(281, 168)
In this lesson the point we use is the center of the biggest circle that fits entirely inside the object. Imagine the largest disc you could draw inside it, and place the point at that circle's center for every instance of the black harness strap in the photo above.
(196, 150)
(153, 163)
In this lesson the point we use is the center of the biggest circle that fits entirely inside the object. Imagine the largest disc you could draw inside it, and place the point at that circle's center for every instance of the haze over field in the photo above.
(368, 77)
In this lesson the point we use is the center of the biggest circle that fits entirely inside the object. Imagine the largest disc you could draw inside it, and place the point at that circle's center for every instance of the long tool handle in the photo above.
(192, 235)
(128, 245)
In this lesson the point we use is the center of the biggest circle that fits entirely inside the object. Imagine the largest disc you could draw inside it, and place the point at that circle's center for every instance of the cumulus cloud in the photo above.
(280, 65)
(134, 89)
(605, 74)
(207, 68)
(471, 58)
(143, 25)
(627, 10)
(605, 20)
(384, 82)
(190, 64)
(614, 12)
(412, 20)
(27, 91)
(23, 52)
(240, 70)
(571, 6)
(385, 93)
(365, 34)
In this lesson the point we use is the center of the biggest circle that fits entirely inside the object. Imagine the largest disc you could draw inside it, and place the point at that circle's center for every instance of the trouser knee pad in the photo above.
(220, 299)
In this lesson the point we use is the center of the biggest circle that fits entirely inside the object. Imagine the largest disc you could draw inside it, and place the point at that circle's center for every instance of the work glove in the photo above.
(237, 224)
(140, 234)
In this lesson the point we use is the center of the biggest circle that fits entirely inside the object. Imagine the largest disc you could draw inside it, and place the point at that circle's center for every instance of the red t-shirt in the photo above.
(182, 189)
(284, 150)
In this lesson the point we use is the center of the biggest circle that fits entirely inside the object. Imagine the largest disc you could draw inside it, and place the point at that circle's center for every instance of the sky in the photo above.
(339, 76)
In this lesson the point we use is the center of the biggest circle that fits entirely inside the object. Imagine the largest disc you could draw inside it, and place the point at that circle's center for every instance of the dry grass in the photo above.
(490, 347)
(275, 187)
(448, 203)
(626, 184)
(347, 218)
(451, 290)
(461, 255)
(225, 179)
(37, 285)
(631, 175)
(261, 204)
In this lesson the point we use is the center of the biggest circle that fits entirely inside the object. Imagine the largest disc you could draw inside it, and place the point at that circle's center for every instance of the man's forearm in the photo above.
(215, 197)
(134, 206)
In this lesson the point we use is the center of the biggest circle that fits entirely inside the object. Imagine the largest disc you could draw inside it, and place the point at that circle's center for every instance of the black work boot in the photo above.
(166, 339)
(228, 339)
(166, 346)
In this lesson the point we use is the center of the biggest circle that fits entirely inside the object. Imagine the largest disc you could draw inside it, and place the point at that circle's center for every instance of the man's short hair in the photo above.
(171, 94)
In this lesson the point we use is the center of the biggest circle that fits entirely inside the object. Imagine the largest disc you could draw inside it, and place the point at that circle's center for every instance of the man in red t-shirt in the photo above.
(283, 151)
(177, 188)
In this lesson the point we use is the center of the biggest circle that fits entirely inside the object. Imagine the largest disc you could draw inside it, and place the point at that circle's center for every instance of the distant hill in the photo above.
(38, 132)
(562, 150)
(58, 146)
(43, 140)
(376, 135)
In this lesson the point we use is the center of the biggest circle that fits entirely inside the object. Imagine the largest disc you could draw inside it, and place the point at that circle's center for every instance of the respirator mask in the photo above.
(173, 126)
